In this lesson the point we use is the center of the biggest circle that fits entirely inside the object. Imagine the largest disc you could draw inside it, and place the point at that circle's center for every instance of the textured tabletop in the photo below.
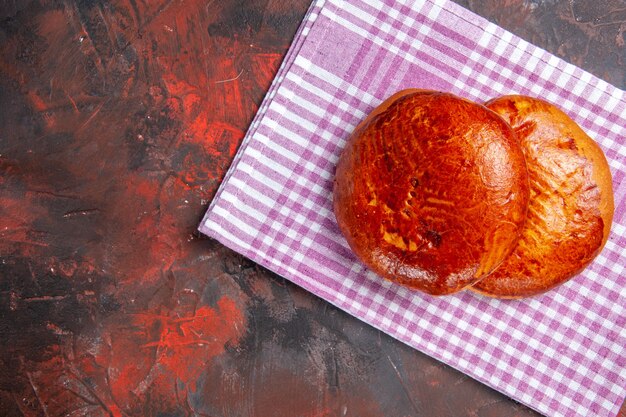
(119, 120)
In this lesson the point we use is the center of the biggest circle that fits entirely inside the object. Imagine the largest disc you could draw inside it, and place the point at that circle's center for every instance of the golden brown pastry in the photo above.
(431, 191)
(571, 200)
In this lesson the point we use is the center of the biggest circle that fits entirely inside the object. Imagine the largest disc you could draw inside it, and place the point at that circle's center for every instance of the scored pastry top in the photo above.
(431, 191)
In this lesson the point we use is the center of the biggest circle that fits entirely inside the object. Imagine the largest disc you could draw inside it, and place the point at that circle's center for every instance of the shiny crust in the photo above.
(571, 200)
(431, 191)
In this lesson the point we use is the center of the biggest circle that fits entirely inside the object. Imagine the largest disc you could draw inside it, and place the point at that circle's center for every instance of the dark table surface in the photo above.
(117, 122)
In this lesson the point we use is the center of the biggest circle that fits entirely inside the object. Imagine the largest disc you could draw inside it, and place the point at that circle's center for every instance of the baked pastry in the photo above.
(431, 191)
(571, 200)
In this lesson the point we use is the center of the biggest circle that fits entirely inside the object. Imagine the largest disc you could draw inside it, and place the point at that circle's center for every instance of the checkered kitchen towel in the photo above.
(562, 353)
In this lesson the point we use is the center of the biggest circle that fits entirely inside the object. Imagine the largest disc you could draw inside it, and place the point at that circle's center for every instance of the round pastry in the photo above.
(431, 191)
(571, 200)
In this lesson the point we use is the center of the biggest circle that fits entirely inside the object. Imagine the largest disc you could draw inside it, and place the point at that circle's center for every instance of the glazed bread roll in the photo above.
(431, 191)
(571, 200)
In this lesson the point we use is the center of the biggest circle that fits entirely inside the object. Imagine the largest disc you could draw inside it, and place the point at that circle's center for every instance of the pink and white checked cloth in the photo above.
(562, 353)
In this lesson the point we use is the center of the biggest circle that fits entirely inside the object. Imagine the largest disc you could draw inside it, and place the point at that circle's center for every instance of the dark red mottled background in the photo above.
(118, 120)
